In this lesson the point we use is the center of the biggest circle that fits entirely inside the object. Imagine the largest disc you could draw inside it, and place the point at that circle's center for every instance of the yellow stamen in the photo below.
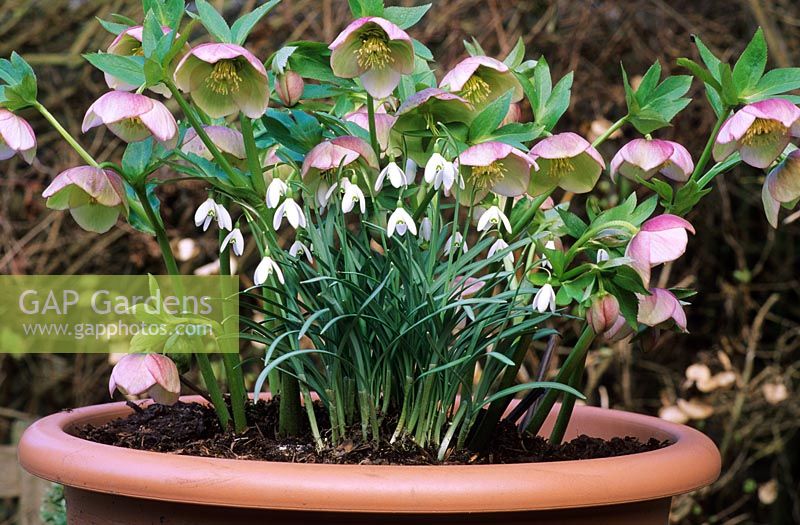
(476, 90)
(485, 177)
(225, 78)
(560, 167)
(762, 130)
(374, 52)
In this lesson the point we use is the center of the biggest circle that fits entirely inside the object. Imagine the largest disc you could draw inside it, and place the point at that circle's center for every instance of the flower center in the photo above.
(561, 166)
(225, 78)
(475, 89)
(761, 131)
(374, 52)
(485, 177)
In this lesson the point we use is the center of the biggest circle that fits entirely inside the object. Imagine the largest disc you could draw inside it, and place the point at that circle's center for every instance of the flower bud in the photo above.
(603, 313)
(289, 87)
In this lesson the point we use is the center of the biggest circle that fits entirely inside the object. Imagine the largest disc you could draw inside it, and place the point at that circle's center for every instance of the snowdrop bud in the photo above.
(602, 255)
(236, 240)
(293, 213)
(411, 171)
(545, 299)
(493, 217)
(298, 248)
(265, 269)
(400, 221)
(276, 189)
(396, 176)
(425, 229)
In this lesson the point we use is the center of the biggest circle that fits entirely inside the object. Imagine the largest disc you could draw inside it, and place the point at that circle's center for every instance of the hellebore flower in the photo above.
(298, 248)
(276, 189)
(95, 197)
(293, 213)
(493, 217)
(440, 172)
(209, 211)
(782, 186)
(289, 86)
(131, 117)
(265, 269)
(618, 331)
(16, 136)
(498, 246)
(224, 79)
(424, 109)
(481, 80)
(659, 307)
(152, 374)
(660, 239)
(425, 229)
(374, 50)
(129, 43)
(545, 299)
(229, 142)
(400, 221)
(495, 167)
(383, 123)
(644, 158)
(603, 313)
(236, 240)
(466, 287)
(759, 132)
(322, 164)
(454, 243)
(565, 160)
(396, 176)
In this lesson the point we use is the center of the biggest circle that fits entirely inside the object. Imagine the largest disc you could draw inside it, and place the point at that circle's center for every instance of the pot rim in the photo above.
(48, 451)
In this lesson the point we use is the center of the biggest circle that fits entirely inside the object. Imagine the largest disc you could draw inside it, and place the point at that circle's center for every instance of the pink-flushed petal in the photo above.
(783, 181)
(660, 307)
(666, 221)
(484, 153)
(775, 109)
(131, 376)
(646, 154)
(771, 205)
(466, 287)
(383, 123)
(213, 52)
(160, 122)
(765, 151)
(104, 186)
(455, 79)
(392, 31)
(343, 48)
(132, 33)
(228, 140)
(421, 97)
(344, 62)
(563, 146)
(729, 134)
(253, 95)
(190, 73)
(517, 167)
(680, 165)
(17, 134)
(166, 375)
(359, 146)
(340, 151)
(380, 82)
(115, 106)
(660, 246)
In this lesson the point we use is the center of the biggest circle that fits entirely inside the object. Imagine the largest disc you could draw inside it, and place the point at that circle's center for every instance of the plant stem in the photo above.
(373, 134)
(610, 131)
(521, 225)
(424, 204)
(290, 409)
(706, 155)
(65, 134)
(567, 405)
(253, 163)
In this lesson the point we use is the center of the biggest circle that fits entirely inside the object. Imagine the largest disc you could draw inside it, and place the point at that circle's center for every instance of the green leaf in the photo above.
(128, 69)
(628, 279)
(280, 59)
(421, 50)
(136, 158)
(649, 82)
(112, 27)
(557, 103)
(372, 7)
(405, 17)
(151, 34)
(529, 386)
(700, 72)
(775, 82)
(516, 55)
(751, 64)
(709, 59)
(729, 93)
(491, 117)
(542, 86)
(213, 21)
(574, 224)
(242, 27)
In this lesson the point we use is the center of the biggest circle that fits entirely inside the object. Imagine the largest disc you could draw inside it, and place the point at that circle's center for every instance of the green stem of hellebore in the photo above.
(253, 162)
(373, 133)
(706, 155)
(64, 133)
(610, 131)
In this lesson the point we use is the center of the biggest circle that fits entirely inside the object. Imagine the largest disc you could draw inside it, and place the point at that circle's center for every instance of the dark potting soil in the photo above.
(192, 429)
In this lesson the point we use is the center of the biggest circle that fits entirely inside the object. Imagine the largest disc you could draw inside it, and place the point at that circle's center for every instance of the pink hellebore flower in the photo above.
(618, 331)
(152, 374)
(322, 164)
(132, 117)
(95, 197)
(759, 132)
(16, 136)
(229, 141)
(660, 239)
(129, 43)
(466, 287)
(481, 80)
(566, 160)
(659, 307)
(782, 186)
(374, 50)
(644, 158)
(431, 105)
(383, 123)
(495, 167)
(289, 85)
(224, 79)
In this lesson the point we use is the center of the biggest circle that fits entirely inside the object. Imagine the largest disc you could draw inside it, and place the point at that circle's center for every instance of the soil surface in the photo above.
(192, 429)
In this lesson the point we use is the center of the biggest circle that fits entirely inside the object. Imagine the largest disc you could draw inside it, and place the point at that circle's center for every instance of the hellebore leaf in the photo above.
(213, 21)
(129, 69)
(775, 82)
(405, 17)
(112, 27)
(242, 27)
(709, 59)
(492, 115)
(516, 55)
(557, 103)
(751, 64)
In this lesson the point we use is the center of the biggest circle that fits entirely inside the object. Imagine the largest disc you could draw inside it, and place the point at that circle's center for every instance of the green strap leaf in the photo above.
(242, 27)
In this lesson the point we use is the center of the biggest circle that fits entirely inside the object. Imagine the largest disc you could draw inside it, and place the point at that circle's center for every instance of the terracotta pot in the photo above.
(106, 484)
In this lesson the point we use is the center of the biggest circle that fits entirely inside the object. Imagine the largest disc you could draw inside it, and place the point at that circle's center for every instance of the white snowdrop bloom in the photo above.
(396, 176)
(493, 217)
(454, 243)
(411, 171)
(236, 240)
(425, 229)
(440, 172)
(298, 248)
(400, 221)
(545, 299)
(602, 255)
(498, 246)
(353, 195)
(265, 269)
(210, 211)
(550, 245)
(293, 213)
(276, 189)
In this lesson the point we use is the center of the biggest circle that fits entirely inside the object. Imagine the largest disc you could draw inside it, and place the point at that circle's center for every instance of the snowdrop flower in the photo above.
(493, 217)
(545, 299)
(293, 213)
(236, 240)
(549, 245)
(400, 221)
(352, 195)
(440, 172)
(209, 211)
(276, 189)
(425, 229)
(265, 269)
(602, 255)
(396, 176)
(298, 248)
(498, 246)
(455, 242)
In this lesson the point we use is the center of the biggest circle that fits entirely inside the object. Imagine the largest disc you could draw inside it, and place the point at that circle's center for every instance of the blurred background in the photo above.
(736, 374)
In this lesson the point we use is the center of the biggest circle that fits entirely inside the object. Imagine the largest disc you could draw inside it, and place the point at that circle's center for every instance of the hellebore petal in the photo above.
(495, 167)
(603, 313)
(660, 239)
(659, 307)
(95, 197)
(227, 140)
(152, 374)
(16, 136)
(265, 269)
(129, 43)
(481, 80)
(321, 165)
(425, 108)
(289, 86)
(644, 158)
(400, 221)
(566, 160)
(759, 132)
(781, 186)
(223, 79)
(131, 117)
(466, 287)
(383, 124)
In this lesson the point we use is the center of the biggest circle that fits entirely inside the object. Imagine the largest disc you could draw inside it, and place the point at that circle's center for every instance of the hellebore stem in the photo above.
(706, 155)
(65, 134)
(373, 134)
(610, 131)
(521, 226)
(253, 163)
(567, 404)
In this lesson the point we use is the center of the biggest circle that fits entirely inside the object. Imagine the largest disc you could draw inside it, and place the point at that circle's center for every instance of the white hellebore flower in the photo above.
(491, 218)
(545, 299)
(440, 172)
(425, 229)
(236, 241)
(209, 211)
(455, 242)
(298, 248)
(293, 213)
(395, 174)
(266, 268)
(400, 221)
(498, 246)
(276, 189)
(602, 255)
